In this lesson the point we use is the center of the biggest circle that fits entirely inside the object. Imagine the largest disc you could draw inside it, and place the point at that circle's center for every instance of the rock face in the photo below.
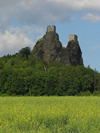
(74, 53)
(49, 48)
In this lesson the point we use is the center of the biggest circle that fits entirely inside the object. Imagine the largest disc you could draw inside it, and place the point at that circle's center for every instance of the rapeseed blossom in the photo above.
(49, 114)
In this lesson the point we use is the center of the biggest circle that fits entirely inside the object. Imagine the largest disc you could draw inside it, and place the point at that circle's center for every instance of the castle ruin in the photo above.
(50, 49)
(49, 28)
(53, 29)
(73, 37)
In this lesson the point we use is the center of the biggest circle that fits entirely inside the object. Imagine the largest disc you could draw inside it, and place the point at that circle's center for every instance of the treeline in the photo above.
(23, 74)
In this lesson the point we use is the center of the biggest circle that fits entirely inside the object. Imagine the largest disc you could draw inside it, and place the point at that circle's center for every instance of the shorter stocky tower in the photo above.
(73, 37)
(49, 28)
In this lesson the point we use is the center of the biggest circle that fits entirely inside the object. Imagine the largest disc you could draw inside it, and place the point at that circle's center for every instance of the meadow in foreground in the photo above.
(50, 114)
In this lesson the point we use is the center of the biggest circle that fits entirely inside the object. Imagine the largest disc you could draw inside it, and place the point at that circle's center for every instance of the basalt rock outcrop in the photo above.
(49, 48)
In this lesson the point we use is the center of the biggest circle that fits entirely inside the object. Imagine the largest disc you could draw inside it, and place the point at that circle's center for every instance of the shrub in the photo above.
(96, 93)
(86, 93)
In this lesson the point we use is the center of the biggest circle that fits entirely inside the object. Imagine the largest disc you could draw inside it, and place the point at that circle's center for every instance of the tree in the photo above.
(87, 83)
(74, 87)
(51, 83)
(25, 52)
(1, 65)
(38, 84)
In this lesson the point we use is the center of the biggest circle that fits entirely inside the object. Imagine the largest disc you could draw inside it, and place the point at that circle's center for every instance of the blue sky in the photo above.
(23, 22)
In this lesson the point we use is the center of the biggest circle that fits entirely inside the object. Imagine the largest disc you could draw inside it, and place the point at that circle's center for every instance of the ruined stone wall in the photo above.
(73, 37)
(49, 28)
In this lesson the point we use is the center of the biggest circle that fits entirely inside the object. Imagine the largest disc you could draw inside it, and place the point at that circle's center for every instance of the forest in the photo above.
(23, 74)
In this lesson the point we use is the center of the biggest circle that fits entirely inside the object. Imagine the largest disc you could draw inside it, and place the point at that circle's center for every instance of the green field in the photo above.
(50, 114)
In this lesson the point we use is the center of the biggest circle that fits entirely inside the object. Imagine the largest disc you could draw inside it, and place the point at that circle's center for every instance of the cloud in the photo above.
(45, 12)
(95, 47)
(84, 57)
(39, 37)
(30, 14)
(41, 12)
(65, 45)
(93, 18)
(13, 40)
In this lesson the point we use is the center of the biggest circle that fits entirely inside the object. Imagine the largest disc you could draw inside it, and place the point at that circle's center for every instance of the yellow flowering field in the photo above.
(50, 114)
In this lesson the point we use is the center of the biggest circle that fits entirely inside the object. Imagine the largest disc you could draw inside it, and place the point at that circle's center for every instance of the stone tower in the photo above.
(49, 28)
(73, 37)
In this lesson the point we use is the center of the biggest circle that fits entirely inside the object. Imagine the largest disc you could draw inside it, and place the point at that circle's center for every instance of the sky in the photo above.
(23, 22)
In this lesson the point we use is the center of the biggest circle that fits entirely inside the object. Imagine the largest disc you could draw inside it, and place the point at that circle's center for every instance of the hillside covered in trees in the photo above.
(23, 74)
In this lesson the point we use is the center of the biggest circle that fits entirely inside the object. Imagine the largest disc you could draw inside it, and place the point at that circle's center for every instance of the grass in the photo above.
(50, 114)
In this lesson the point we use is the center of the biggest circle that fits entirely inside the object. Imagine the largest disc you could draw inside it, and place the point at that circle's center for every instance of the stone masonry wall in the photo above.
(49, 28)
(73, 37)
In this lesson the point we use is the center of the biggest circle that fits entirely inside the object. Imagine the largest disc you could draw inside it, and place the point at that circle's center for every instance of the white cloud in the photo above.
(29, 13)
(93, 18)
(80, 3)
(10, 43)
(12, 40)
(84, 57)
(95, 47)
(65, 45)
(15, 38)
(39, 37)
(45, 11)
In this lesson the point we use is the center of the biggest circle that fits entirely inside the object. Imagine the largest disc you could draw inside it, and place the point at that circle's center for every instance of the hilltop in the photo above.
(50, 49)
(49, 69)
